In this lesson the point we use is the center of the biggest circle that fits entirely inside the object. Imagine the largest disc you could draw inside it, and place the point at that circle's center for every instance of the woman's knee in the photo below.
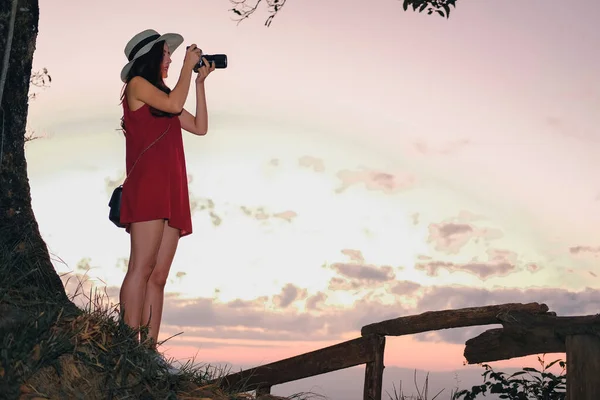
(159, 276)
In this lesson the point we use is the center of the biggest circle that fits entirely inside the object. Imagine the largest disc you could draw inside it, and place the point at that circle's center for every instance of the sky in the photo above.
(362, 163)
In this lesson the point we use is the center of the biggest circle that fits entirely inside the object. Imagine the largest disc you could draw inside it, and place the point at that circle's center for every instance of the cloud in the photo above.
(198, 204)
(257, 321)
(499, 263)
(261, 214)
(374, 180)
(289, 294)
(586, 251)
(269, 318)
(365, 273)
(450, 236)
(314, 163)
(404, 288)
(315, 301)
(354, 255)
(258, 302)
(415, 218)
(357, 274)
(532, 267)
(288, 215)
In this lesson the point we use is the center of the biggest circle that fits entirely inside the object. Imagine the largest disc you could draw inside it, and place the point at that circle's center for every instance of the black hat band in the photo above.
(141, 44)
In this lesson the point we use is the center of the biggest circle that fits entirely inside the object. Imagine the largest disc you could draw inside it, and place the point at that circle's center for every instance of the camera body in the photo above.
(220, 61)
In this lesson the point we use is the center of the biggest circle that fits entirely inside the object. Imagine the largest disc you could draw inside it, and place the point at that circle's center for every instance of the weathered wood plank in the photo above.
(496, 344)
(436, 320)
(374, 372)
(583, 366)
(343, 355)
(524, 334)
(519, 323)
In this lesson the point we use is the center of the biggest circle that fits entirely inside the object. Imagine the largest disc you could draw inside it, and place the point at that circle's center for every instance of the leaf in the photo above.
(423, 6)
(552, 363)
(416, 3)
(405, 5)
(517, 374)
(447, 9)
(440, 12)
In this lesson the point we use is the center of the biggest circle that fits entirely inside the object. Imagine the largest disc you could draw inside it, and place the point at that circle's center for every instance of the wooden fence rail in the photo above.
(364, 350)
(527, 329)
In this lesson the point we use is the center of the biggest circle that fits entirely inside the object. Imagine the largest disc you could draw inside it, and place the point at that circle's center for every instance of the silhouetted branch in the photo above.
(441, 7)
(243, 10)
(39, 79)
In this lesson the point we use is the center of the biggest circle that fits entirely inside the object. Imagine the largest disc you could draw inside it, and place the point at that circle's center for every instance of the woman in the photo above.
(155, 207)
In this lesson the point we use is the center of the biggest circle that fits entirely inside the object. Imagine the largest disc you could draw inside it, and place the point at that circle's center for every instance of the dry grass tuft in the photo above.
(54, 352)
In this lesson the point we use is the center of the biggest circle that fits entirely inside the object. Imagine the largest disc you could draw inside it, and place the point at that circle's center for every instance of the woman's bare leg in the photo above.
(145, 242)
(155, 289)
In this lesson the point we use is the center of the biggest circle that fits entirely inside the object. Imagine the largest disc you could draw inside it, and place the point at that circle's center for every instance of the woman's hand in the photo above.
(204, 71)
(192, 56)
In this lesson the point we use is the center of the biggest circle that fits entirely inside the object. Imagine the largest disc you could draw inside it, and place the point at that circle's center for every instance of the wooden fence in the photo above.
(527, 329)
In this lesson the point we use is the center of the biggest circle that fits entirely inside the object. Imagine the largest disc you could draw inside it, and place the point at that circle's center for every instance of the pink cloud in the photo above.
(314, 163)
(450, 236)
(375, 180)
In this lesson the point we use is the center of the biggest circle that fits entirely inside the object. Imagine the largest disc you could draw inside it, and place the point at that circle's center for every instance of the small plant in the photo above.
(527, 384)
(421, 394)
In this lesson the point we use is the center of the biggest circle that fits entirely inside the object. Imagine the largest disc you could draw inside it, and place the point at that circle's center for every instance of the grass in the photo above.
(422, 393)
(89, 353)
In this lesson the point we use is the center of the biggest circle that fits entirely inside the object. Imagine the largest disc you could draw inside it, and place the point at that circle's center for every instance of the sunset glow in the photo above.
(362, 163)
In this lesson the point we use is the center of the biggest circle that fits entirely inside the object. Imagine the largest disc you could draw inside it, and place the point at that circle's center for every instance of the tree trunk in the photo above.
(27, 276)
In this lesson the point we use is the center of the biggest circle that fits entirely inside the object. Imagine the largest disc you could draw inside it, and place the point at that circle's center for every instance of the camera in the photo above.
(220, 60)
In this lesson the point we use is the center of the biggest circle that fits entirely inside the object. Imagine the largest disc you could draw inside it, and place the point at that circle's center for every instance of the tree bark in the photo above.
(26, 271)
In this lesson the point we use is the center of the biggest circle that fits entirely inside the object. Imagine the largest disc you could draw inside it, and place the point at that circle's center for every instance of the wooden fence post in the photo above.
(583, 367)
(374, 371)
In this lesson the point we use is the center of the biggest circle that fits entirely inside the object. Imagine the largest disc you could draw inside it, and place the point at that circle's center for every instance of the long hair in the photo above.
(149, 67)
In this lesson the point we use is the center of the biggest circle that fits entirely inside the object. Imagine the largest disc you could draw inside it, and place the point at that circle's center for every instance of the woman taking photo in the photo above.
(155, 207)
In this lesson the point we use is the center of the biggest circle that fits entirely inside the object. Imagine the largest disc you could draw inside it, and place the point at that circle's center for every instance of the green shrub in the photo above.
(527, 384)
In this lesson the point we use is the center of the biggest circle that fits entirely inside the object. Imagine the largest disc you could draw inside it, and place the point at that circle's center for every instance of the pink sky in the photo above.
(362, 163)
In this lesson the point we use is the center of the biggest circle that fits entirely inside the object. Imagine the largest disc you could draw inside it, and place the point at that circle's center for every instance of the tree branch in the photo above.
(243, 10)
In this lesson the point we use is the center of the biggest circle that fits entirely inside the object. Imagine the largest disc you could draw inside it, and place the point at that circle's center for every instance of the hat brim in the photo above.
(173, 41)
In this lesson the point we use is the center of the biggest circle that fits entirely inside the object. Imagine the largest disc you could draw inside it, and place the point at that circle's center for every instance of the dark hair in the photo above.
(149, 67)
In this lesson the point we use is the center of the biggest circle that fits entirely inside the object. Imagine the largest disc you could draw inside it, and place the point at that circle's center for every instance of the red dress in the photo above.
(157, 187)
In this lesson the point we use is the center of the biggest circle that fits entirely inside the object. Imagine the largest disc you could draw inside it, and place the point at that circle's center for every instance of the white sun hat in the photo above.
(141, 44)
